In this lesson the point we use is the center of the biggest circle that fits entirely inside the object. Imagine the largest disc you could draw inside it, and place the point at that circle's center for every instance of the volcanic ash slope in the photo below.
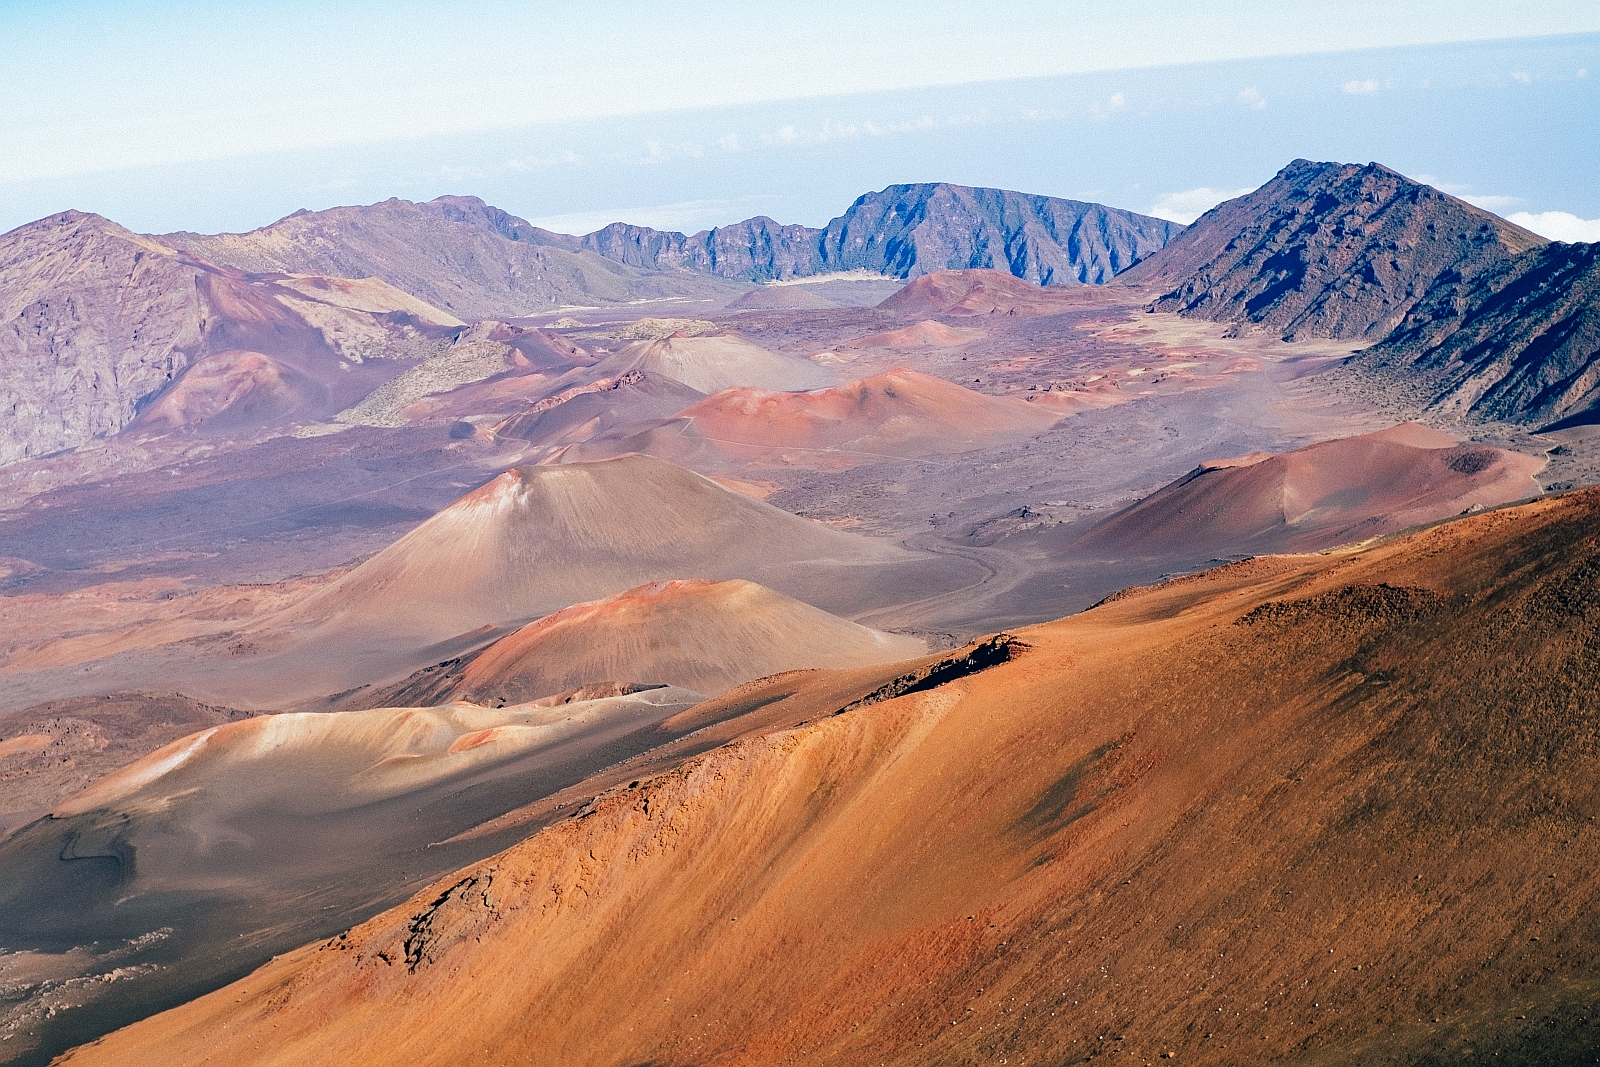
(696, 634)
(537, 539)
(709, 363)
(897, 415)
(1327, 494)
(1298, 810)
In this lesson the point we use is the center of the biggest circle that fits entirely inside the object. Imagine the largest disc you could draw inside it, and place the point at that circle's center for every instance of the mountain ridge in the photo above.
(1325, 250)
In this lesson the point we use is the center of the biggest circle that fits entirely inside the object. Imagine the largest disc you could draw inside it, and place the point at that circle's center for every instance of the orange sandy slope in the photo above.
(697, 634)
(1302, 809)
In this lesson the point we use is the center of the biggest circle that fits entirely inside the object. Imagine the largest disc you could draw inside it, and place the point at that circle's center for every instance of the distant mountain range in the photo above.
(905, 231)
(478, 261)
(1477, 318)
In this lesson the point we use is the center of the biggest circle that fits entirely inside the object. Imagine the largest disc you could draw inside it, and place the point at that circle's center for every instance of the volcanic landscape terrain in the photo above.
(689, 635)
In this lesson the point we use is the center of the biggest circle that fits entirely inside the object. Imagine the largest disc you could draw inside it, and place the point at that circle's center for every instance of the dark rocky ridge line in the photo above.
(1519, 342)
(905, 231)
(1326, 250)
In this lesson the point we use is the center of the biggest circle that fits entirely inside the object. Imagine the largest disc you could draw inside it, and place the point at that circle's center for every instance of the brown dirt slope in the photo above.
(1316, 810)
(709, 363)
(1518, 343)
(1325, 250)
(456, 253)
(696, 634)
(1331, 493)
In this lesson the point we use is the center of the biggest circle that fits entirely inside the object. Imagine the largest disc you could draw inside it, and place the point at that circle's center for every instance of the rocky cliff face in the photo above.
(911, 230)
(1326, 250)
(757, 249)
(92, 319)
(1519, 342)
(100, 328)
(905, 231)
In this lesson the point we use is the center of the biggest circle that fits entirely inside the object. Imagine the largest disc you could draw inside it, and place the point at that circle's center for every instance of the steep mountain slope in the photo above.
(1326, 250)
(757, 249)
(906, 231)
(911, 230)
(1316, 810)
(456, 253)
(1519, 342)
(897, 415)
(1327, 494)
(95, 322)
(694, 634)
(92, 320)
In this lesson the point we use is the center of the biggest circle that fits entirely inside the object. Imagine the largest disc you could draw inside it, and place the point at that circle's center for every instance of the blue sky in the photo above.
(228, 115)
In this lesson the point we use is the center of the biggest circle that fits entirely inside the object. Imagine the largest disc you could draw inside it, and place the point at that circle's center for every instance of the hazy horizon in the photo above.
(1492, 121)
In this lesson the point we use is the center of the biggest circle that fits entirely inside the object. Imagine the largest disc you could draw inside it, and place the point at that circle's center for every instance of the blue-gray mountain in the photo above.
(905, 231)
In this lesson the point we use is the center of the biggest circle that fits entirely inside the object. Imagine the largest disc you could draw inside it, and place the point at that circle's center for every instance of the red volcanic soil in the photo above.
(1329, 493)
(896, 415)
(975, 292)
(696, 634)
(1317, 810)
(595, 408)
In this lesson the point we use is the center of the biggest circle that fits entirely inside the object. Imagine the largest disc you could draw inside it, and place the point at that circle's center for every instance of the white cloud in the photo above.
(1362, 88)
(686, 216)
(1558, 225)
(1252, 98)
(1583, 72)
(1190, 204)
(1489, 203)
(730, 143)
(1522, 76)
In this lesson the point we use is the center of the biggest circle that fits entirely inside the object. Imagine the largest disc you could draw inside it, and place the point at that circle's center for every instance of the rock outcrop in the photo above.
(1518, 343)
(99, 326)
(93, 319)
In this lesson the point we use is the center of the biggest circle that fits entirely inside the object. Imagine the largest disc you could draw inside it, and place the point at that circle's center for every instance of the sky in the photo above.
(228, 115)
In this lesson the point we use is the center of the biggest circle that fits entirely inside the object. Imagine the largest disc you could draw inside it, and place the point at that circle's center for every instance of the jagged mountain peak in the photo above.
(1326, 250)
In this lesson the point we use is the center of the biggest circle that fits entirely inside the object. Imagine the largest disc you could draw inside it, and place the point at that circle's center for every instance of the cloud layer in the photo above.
(1558, 225)
(1190, 204)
